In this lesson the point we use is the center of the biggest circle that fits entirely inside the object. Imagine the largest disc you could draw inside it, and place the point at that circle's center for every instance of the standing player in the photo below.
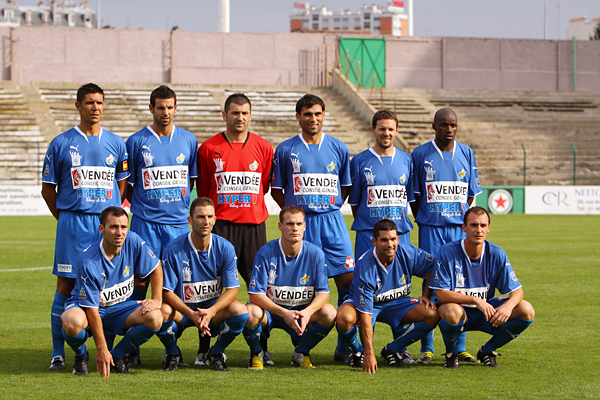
(380, 292)
(197, 265)
(162, 160)
(101, 297)
(289, 290)
(235, 172)
(312, 171)
(85, 171)
(446, 182)
(467, 275)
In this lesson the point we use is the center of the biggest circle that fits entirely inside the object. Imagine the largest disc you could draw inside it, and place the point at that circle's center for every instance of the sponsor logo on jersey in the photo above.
(238, 182)
(386, 196)
(64, 267)
(197, 292)
(402, 280)
(349, 262)
(447, 192)
(253, 282)
(435, 277)
(165, 177)
(318, 184)
(361, 301)
(116, 293)
(331, 166)
(413, 300)
(85, 177)
(219, 164)
(253, 166)
(513, 276)
(480, 292)
(151, 254)
(180, 158)
(47, 171)
(290, 296)
(369, 176)
(126, 271)
(82, 293)
(304, 279)
(394, 294)
(402, 179)
(428, 257)
(462, 174)
(110, 159)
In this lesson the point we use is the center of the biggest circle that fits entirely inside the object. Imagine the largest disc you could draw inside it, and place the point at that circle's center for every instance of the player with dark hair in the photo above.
(197, 266)
(289, 290)
(85, 171)
(312, 171)
(446, 182)
(235, 172)
(467, 275)
(101, 300)
(162, 161)
(380, 292)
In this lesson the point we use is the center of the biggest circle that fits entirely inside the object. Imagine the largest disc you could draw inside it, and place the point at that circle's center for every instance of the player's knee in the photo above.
(431, 317)
(73, 322)
(255, 315)
(346, 318)
(451, 313)
(526, 310)
(237, 308)
(153, 319)
(167, 312)
(328, 314)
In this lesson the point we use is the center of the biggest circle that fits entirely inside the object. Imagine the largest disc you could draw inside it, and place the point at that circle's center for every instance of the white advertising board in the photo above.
(22, 200)
(562, 200)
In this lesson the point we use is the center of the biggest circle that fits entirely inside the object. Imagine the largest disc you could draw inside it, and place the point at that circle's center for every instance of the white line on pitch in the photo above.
(24, 269)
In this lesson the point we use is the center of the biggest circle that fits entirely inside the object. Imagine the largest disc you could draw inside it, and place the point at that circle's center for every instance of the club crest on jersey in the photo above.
(219, 164)
(253, 282)
(362, 301)
(272, 276)
(513, 276)
(180, 158)
(110, 159)
(126, 271)
(47, 171)
(402, 280)
(369, 176)
(331, 166)
(187, 272)
(460, 280)
(349, 262)
(253, 166)
(148, 158)
(430, 173)
(304, 279)
(296, 164)
(151, 254)
(402, 179)
(82, 293)
(435, 277)
(75, 156)
(462, 173)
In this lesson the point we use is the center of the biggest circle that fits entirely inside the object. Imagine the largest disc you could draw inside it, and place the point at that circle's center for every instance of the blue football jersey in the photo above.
(102, 282)
(312, 175)
(373, 284)
(289, 282)
(381, 188)
(444, 180)
(84, 168)
(161, 168)
(197, 277)
(455, 271)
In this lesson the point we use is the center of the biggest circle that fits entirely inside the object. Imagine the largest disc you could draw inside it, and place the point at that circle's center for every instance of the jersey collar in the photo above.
(104, 253)
(158, 137)
(85, 136)
(306, 144)
(194, 247)
(379, 157)
(439, 151)
(229, 143)
(462, 244)
(283, 254)
(379, 261)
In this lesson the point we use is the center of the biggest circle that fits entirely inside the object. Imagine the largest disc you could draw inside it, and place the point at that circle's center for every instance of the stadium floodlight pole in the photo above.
(224, 15)
(410, 18)
(98, 24)
(545, 20)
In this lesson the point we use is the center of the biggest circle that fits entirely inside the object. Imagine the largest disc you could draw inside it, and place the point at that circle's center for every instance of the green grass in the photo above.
(557, 259)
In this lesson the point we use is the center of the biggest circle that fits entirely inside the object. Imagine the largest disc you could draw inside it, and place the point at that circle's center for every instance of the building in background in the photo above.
(394, 19)
(582, 28)
(64, 15)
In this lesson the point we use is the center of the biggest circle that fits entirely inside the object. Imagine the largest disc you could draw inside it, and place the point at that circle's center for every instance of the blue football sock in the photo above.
(341, 346)
(58, 341)
(252, 337)
(167, 335)
(228, 331)
(312, 336)
(135, 336)
(410, 334)
(77, 342)
(350, 339)
(506, 332)
(450, 333)
(427, 343)
(460, 342)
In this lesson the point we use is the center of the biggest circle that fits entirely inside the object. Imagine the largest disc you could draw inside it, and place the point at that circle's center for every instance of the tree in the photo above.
(596, 34)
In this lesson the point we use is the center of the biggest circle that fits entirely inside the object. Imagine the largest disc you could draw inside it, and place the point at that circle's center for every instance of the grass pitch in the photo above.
(557, 259)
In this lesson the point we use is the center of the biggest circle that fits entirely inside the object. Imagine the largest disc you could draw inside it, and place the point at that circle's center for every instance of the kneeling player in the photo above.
(197, 265)
(289, 290)
(379, 292)
(466, 278)
(100, 298)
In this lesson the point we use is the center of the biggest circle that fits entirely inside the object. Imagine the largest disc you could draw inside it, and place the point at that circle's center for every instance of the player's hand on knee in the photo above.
(501, 315)
(149, 305)
(428, 303)
(486, 308)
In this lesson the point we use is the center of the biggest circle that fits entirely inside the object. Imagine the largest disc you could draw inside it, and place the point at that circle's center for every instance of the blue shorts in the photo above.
(391, 313)
(431, 238)
(113, 317)
(364, 242)
(157, 236)
(275, 321)
(330, 233)
(476, 320)
(74, 233)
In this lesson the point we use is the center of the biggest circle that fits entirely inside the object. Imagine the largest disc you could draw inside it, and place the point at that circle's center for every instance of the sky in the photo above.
(523, 19)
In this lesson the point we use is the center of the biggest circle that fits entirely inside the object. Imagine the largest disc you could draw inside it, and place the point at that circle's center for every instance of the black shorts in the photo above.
(247, 239)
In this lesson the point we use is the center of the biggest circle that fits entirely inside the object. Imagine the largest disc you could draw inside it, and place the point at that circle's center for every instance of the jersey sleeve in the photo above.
(442, 274)
(193, 163)
(362, 289)
(131, 162)
(355, 178)
(122, 170)
(89, 284)
(279, 169)
(204, 171)
(416, 178)
(422, 263)
(268, 168)
(170, 278)
(506, 281)
(258, 279)
(410, 189)
(474, 183)
(345, 179)
(146, 260)
(51, 170)
(229, 273)
(322, 282)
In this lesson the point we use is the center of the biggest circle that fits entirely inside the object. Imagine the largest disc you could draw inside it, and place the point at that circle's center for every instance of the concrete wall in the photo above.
(492, 64)
(78, 55)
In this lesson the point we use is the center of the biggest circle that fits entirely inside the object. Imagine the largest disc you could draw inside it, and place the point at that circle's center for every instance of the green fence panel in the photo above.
(371, 54)
(502, 199)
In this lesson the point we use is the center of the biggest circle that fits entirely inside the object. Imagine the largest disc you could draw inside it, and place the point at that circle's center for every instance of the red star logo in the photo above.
(500, 202)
